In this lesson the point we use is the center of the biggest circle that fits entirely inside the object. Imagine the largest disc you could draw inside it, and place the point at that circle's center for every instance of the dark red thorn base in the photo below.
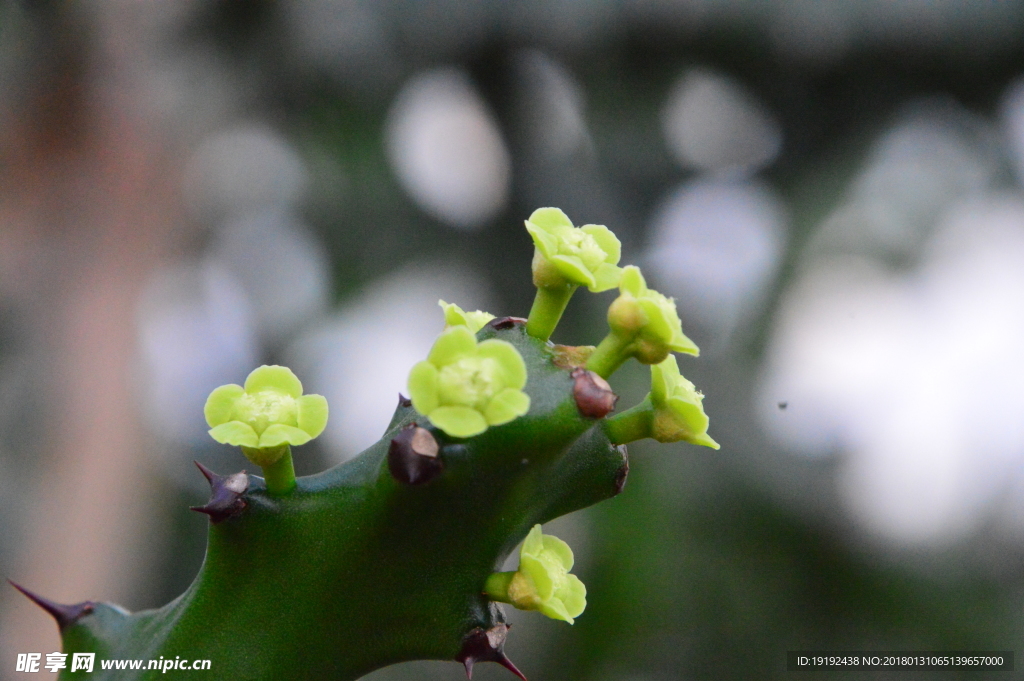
(413, 456)
(593, 395)
(505, 322)
(66, 615)
(226, 494)
(486, 645)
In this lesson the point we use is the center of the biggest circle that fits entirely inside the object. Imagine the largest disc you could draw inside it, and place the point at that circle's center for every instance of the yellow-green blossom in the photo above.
(464, 387)
(456, 316)
(643, 324)
(678, 407)
(267, 414)
(577, 256)
(649, 317)
(542, 582)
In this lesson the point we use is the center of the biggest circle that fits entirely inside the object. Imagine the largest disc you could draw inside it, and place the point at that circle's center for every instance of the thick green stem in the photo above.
(631, 425)
(280, 475)
(548, 306)
(609, 355)
(497, 585)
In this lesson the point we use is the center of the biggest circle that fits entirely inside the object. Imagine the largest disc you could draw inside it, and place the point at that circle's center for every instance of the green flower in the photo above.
(649, 318)
(644, 324)
(266, 415)
(678, 409)
(456, 316)
(542, 581)
(570, 256)
(464, 387)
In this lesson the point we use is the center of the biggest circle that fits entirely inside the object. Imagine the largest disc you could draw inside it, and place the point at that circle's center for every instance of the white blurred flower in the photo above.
(915, 378)
(715, 245)
(195, 333)
(713, 123)
(447, 150)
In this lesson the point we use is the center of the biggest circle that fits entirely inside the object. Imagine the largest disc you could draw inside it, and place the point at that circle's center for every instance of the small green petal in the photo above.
(454, 343)
(458, 421)
(573, 269)
(550, 218)
(538, 574)
(221, 403)
(235, 433)
(273, 377)
(658, 327)
(574, 596)
(690, 412)
(608, 242)
(663, 377)
(511, 362)
(279, 434)
(506, 406)
(456, 316)
(559, 549)
(606, 277)
(533, 544)
(706, 441)
(556, 610)
(546, 242)
(311, 414)
(632, 281)
(423, 387)
(681, 343)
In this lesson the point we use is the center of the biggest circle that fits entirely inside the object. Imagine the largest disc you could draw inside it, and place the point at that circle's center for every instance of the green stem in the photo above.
(280, 475)
(609, 355)
(548, 306)
(631, 425)
(496, 586)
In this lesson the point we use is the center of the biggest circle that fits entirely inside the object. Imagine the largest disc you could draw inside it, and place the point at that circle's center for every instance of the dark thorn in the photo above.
(594, 396)
(505, 322)
(486, 645)
(66, 615)
(226, 494)
(620, 475)
(412, 456)
(783, 405)
(403, 401)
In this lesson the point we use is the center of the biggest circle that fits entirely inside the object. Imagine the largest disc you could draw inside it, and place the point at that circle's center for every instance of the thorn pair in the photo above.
(226, 492)
(486, 645)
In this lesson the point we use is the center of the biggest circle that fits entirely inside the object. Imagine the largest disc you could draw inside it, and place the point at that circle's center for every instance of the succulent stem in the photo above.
(631, 425)
(548, 306)
(609, 355)
(280, 475)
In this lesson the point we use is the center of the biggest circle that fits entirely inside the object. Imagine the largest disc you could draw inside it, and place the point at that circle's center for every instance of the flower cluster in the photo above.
(464, 387)
(542, 582)
(572, 256)
(647, 319)
(678, 409)
(266, 414)
(456, 316)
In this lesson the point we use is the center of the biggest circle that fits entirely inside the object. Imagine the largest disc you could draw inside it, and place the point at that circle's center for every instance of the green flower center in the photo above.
(470, 382)
(265, 408)
(576, 242)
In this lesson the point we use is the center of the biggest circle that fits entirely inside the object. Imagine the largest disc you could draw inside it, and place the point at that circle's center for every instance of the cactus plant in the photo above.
(394, 555)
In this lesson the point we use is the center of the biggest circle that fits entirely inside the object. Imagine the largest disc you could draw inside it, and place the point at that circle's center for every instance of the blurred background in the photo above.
(831, 189)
